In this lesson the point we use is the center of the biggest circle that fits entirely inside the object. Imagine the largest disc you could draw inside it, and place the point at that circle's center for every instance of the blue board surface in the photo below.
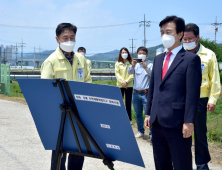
(101, 110)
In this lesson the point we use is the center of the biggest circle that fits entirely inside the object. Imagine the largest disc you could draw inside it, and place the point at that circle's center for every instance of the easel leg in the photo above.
(58, 152)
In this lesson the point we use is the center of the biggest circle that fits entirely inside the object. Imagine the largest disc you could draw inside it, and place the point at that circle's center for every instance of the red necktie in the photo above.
(165, 66)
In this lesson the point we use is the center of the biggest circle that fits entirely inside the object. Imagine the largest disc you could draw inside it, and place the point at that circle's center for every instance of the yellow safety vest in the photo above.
(57, 66)
(210, 86)
(122, 74)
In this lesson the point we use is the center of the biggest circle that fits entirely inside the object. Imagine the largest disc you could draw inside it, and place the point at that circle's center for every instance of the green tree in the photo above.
(216, 48)
(4, 61)
(26, 63)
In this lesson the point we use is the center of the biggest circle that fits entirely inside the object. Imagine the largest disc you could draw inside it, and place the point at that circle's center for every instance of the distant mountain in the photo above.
(104, 56)
(151, 53)
(100, 56)
(43, 55)
(108, 56)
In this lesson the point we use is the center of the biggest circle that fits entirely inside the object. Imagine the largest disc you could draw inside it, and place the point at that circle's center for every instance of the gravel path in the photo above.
(21, 147)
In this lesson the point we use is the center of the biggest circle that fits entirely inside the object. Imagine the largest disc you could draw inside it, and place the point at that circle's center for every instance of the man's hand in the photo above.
(143, 63)
(124, 84)
(134, 62)
(187, 130)
(210, 107)
(147, 123)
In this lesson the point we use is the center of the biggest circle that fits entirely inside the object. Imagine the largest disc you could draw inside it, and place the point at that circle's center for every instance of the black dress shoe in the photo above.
(151, 143)
(203, 167)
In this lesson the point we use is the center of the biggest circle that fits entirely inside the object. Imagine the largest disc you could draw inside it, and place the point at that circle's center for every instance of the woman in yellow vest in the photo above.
(124, 80)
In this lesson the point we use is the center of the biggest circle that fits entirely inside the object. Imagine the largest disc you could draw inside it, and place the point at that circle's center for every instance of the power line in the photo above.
(108, 25)
(155, 22)
(49, 28)
(140, 36)
(136, 32)
(7, 41)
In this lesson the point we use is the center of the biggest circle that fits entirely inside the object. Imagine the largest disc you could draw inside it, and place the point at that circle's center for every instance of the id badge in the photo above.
(80, 73)
(202, 67)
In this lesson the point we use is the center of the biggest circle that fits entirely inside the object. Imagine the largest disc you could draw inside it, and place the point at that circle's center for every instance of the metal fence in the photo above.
(5, 79)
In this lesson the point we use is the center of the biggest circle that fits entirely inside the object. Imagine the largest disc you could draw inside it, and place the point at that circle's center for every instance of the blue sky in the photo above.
(87, 13)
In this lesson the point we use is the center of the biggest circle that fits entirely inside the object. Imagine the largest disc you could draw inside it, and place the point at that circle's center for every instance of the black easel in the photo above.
(69, 108)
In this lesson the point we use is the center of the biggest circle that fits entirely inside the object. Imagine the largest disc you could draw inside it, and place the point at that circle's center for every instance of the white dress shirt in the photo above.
(175, 51)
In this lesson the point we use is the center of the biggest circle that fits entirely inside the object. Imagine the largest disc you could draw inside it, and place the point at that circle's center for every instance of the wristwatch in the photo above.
(190, 123)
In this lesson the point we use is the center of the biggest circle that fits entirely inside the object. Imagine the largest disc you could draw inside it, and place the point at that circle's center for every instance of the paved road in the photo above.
(21, 147)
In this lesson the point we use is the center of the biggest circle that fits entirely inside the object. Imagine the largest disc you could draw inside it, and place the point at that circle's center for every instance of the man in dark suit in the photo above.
(173, 97)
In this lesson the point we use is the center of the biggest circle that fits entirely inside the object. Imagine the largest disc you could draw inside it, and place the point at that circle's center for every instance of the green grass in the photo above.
(214, 123)
(105, 82)
(15, 90)
(214, 119)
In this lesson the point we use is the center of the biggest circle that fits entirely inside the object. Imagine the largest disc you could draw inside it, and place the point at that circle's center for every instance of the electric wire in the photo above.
(49, 28)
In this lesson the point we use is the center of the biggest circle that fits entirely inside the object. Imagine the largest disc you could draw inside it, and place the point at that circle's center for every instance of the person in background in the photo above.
(210, 91)
(173, 97)
(82, 51)
(66, 64)
(124, 80)
(142, 73)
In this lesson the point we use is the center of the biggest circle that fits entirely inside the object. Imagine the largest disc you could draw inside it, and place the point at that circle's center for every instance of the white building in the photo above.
(7, 53)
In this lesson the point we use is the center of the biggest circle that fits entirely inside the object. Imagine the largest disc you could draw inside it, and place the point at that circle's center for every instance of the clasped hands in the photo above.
(187, 127)
(124, 84)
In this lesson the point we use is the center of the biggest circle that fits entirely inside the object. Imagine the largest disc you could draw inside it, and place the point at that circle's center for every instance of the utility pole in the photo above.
(34, 57)
(145, 24)
(4, 57)
(22, 45)
(132, 46)
(216, 28)
(39, 55)
(1, 63)
(16, 49)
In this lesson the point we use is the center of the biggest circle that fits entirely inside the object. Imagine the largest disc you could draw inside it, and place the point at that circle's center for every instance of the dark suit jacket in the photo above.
(174, 100)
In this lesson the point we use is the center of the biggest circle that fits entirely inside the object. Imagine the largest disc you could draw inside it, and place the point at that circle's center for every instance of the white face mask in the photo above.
(142, 56)
(168, 40)
(124, 56)
(82, 53)
(189, 46)
(67, 46)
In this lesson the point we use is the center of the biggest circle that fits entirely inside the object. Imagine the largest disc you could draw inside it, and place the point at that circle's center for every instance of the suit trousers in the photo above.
(171, 151)
(128, 99)
(202, 155)
(75, 162)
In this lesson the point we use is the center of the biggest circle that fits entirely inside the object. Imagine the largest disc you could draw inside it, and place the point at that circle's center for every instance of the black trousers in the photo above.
(75, 162)
(128, 99)
(202, 155)
(171, 151)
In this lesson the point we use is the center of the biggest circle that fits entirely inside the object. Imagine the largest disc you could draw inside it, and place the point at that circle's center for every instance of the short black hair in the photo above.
(142, 49)
(192, 27)
(82, 49)
(65, 26)
(179, 22)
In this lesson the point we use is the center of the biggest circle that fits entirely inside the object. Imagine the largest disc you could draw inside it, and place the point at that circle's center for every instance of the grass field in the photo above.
(214, 123)
(214, 119)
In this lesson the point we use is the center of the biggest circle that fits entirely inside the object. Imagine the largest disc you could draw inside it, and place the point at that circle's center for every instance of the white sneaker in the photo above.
(139, 135)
